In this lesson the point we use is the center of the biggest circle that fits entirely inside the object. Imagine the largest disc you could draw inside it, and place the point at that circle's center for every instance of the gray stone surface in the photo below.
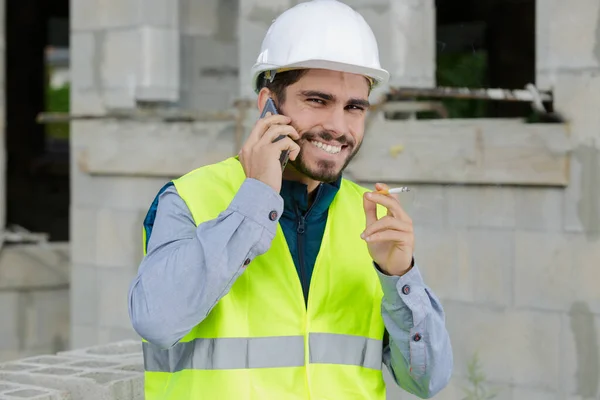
(94, 373)
(34, 299)
(516, 267)
(552, 271)
(514, 346)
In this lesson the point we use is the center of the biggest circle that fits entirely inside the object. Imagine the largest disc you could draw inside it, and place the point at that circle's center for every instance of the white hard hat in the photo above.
(323, 34)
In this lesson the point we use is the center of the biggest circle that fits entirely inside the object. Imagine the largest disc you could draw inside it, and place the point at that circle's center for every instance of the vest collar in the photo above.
(295, 194)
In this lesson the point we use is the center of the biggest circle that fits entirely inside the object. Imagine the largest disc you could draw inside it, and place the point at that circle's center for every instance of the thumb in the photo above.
(370, 210)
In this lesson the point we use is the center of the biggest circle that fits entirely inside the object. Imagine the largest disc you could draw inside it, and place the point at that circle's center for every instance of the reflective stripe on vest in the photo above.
(266, 352)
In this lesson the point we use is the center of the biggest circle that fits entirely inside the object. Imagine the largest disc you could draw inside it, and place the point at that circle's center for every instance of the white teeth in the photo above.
(327, 147)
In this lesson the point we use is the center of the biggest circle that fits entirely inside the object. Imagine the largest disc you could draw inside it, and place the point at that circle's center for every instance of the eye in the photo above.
(355, 108)
(319, 101)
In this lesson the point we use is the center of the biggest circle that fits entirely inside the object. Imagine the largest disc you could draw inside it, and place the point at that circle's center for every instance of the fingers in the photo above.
(387, 223)
(262, 125)
(275, 131)
(391, 203)
(287, 144)
(381, 186)
(402, 238)
(370, 208)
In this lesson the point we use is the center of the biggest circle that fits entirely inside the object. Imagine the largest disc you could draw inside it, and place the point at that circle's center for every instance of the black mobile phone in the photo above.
(270, 107)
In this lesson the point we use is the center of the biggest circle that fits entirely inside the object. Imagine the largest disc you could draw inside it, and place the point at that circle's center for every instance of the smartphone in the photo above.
(270, 107)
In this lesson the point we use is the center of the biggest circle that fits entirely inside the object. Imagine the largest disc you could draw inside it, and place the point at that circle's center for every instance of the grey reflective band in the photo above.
(226, 353)
(327, 348)
(264, 352)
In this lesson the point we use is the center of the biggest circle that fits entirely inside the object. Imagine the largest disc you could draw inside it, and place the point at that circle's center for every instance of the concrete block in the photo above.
(254, 19)
(492, 207)
(85, 102)
(113, 351)
(157, 76)
(45, 360)
(84, 384)
(84, 295)
(121, 98)
(489, 257)
(48, 317)
(554, 270)
(532, 337)
(409, 50)
(211, 82)
(566, 35)
(84, 71)
(11, 391)
(84, 15)
(540, 209)
(581, 351)
(83, 227)
(117, 150)
(201, 18)
(160, 13)
(122, 193)
(119, 238)
(113, 287)
(425, 204)
(577, 96)
(9, 329)
(436, 254)
(4, 387)
(118, 60)
(104, 14)
(30, 266)
(582, 197)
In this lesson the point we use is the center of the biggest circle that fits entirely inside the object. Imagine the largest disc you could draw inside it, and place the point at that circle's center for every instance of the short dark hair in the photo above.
(286, 78)
(281, 81)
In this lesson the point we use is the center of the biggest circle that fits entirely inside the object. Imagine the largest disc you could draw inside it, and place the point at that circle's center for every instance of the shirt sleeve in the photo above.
(189, 268)
(419, 353)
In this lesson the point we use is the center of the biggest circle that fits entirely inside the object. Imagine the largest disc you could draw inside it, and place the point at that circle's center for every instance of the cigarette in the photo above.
(394, 190)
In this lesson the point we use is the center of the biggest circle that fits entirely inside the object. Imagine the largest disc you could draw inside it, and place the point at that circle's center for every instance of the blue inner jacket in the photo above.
(303, 227)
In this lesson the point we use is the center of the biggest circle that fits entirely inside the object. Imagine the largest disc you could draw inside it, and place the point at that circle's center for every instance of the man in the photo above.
(263, 284)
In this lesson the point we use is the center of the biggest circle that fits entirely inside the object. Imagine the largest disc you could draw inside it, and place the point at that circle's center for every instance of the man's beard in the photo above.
(325, 170)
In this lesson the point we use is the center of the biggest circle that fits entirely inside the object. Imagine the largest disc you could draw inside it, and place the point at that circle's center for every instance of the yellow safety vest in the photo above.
(261, 341)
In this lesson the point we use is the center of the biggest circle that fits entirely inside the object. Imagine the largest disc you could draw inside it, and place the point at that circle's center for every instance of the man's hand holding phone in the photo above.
(260, 155)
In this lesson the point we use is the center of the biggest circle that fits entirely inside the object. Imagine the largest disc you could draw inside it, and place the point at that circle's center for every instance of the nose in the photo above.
(336, 123)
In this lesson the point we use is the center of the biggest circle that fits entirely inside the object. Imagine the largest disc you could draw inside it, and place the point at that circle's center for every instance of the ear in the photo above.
(263, 96)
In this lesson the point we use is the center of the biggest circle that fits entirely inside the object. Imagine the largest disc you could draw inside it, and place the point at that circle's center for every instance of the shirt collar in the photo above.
(295, 194)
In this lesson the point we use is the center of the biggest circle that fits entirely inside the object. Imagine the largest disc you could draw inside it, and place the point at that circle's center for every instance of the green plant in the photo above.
(476, 378)
(57, 100)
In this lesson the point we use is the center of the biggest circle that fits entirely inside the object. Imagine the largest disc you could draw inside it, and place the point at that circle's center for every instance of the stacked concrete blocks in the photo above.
(109, 372)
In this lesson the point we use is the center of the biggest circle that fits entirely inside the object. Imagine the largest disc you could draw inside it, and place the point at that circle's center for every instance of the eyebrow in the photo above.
(329, 97)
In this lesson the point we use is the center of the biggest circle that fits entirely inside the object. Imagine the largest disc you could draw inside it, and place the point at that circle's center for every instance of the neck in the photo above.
(292, 174)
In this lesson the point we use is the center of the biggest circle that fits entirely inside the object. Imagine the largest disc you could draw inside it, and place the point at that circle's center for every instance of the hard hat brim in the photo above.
(379, 76)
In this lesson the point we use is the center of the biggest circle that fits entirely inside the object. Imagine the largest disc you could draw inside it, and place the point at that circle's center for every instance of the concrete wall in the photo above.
(177, 52)
(2, 116)
(516, 267)
(34, 299)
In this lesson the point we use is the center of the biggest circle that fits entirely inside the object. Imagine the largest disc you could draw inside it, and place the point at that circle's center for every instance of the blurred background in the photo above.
(105, 101)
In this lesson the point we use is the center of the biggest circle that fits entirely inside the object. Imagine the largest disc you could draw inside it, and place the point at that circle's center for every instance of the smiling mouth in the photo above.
(327, 147)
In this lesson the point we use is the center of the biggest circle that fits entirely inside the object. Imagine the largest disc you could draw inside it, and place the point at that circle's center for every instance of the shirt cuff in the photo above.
(259, 202)
(401, 290)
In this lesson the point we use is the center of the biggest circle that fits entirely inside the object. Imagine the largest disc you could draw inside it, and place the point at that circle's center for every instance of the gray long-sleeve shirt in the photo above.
(188, 269)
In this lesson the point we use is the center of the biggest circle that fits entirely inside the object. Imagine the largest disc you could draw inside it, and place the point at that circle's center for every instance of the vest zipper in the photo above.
(300, 231)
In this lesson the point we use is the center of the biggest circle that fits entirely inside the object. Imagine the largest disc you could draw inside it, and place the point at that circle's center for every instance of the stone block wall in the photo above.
(34, 299)
(516, 267)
